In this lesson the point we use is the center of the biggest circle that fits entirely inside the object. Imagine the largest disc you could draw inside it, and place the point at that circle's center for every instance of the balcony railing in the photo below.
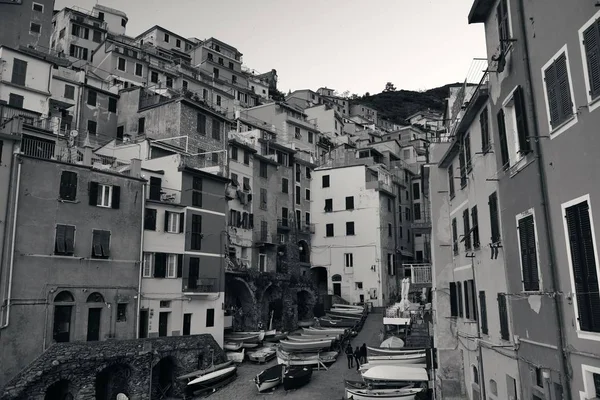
(307, 228)
(198, 285)
(419, 273)
(379, 185)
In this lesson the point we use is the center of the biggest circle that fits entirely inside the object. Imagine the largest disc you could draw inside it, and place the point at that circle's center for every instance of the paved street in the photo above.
(324, 384)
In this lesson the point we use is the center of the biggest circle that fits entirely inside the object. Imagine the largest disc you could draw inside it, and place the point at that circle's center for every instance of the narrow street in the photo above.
(324, 384)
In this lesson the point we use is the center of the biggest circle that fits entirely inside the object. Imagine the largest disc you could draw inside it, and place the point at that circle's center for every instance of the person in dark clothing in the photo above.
(357, 354)
(363, 353)
(350, 355)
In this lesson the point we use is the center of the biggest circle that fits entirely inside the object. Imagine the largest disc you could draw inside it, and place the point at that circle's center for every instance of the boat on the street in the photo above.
(383, 351)
(205, 371)
(306, 323)
(236, 356)
(250, 345)
(260, 335)
(373, 363)
(376, 385)
(296, 377)
(339, 323)
(310, 338)
(395, 373)
(413, 358)
(349, 306)
(307, 359)
(320, 331)
(242, 338)
(315, 345)
(262, 355)
(270, 378)
(389, 394)
(232, 346)
(212, 380)
(335, 316)
(276, 338)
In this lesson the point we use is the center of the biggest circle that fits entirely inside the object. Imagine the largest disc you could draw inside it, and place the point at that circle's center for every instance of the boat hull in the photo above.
(213, 377)
(242, 338)
(294, 359)
(312, 346)
(306, 324)
(269, 378)
(262, 355)
(388, 394)
(418, 358)
(232, 346)
(385, 351)
(236, 356)
(296, 377)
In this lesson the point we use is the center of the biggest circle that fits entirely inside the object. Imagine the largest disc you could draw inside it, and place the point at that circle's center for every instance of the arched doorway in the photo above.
(95, 302)
(60, 390)
(319, 277)
(271, 304)
(303, 251)
(113, 380)
(240, 301)
(63, 309)
(305, 303)
(163, 378)
(337, 284)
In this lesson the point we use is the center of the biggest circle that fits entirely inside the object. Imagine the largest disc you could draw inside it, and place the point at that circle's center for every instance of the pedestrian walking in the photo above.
(363, 353)
(350, 354)
(357, 357)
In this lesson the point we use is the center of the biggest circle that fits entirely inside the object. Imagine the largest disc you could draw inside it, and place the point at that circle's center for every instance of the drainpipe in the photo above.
(139, 294)
(480, 362)
(564, 362)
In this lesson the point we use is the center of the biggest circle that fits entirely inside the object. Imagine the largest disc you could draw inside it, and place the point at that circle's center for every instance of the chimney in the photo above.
(135, 170)
(87, 151)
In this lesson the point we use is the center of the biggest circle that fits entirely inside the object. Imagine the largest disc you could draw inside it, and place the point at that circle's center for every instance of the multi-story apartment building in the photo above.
(340, 104)
(71, 265)
(164, 39)
(26, 23)
(328, 120)
(368, 113)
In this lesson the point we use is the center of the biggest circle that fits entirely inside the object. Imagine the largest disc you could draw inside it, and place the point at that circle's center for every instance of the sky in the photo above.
(347, 45)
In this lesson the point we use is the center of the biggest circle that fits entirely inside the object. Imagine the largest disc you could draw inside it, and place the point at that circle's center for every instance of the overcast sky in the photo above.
(342, 44)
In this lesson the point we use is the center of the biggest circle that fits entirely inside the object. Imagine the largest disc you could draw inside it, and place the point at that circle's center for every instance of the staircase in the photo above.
(335, 299)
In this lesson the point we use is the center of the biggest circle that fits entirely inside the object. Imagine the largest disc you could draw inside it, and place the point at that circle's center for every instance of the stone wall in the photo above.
(126, 364)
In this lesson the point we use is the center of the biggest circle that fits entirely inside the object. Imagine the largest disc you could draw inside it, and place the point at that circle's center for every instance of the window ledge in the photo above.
(563, 126)
(68, 201)
(520, 165)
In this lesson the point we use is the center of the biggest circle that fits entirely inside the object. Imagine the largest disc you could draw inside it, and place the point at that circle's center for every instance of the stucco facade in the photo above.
(18, 20)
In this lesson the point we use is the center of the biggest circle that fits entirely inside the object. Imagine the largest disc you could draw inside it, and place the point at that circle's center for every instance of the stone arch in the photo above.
(112, 380)
(64, 297)
(304, 251)
(63, 316)
(163, 377)
(59, 390)
(271, 301)
(239, 298)
(95, 298)
(475, 374)
(306, 302)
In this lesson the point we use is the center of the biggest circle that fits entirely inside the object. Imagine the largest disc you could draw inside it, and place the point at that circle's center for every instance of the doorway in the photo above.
(194, 273)
(337, 289)
(163, 323)
(62, 323)
(187, 324)
(93, 327)
(143, 328)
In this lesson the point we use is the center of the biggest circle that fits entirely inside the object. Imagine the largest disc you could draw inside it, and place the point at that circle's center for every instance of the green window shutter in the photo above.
(591, 42)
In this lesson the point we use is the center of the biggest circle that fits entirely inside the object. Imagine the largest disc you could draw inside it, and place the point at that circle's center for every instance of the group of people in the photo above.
(359, 355)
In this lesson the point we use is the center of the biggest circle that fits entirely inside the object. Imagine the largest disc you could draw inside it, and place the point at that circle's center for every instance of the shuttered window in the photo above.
(462, 168)
(591, 42)
(475, 228)
(521, 119)
(503, 27)
(485, 130)
(160, 265)
(453, 300)
(467, 300)
(68, 185)
(454, 237)
(196, 232)
(201, 124)
(467, 229)
(503, 313)
(155, 188)
(558, 91)
(503, 141)
(196, 191)
(460, 298)
(100, 244)
(529, 263)
(216, 129)
(494, 221)
(19, 72)
(150, 219)
(64, 241)
(583, 263)
(473, 298)
(451, 181)
(467, 150)
(483, 312)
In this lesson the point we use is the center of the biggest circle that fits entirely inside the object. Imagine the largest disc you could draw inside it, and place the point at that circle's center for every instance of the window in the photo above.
(262, 261)
(417, 211)
(104, 195)
(210, 317)
(167, 37)
(247, 185)
(150, 219)
(234, 79)
(92, 98)
(234, 153)
(329, 230)
(173, 222)
(284, 216)
(263, 198)
(307, 218)
(590, 37)
(389, 204)
(416, 191)
(78, 52)
(184, 85)
(196, 191)
(172, 266)
(80, 31)
(467, 229)
(177, 42)
(503, 24)
(308, 175)
(297, 133)
(582, 253)
(453, 300)
(154, 77)
(164, 304)
(64, 241)
(527, 246)
(68, 185)
(467, 150)
(558, 91)
(201, 124)
(160, 265)
(454, 237)
(35, 28)
(263, 169)
(97, 36)
(460, 298)
(141, 125)
(230, 65)
(216, 73)
(100, 244)
(298, 192)
(325, 180)
(121, 312)
(69, 92)
(196, 236)
(37, 7)
(451, 181)
(494, 218)
(503, 313)
(539, 377)
(513, 130)
(121, 63)
(246, 157)
(92, 126)
(307, 194)
(350, 203)
(62, 33)
(475, 228)
(220, 60)
(215, 158)
(19, 72)
(328, 205)
(310, 137)
(187, 324)
(123, 21)
(390, 230)
(15, 100)
(462, 168)
(298, 172)
(483, 312)
(350, 228)
(147, 267)
(234, 180)
(485, 130)
(112, 104)
(596, 379)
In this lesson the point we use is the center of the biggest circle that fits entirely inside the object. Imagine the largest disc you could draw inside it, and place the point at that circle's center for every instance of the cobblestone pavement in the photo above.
(323, 385)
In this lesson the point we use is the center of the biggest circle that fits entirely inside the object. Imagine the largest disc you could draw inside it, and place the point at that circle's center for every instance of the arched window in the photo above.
(493, 387)
(336, 278)
(62, 316)
(64, 297)
(95, 298)
(475, 375)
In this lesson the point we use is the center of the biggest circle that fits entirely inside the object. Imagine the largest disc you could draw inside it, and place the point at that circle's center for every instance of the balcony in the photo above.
(283, 224)
(419, 273)
(380, 186)
(206, 164)
(199, 286)
(307, 228)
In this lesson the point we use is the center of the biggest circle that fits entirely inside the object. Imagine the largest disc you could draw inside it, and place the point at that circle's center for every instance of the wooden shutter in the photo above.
(460, 298)
(93, 193)
(59, 245)
(216, 129)
(155, 187)
(473, 297)
(69, 239)
(181, 222)
(494, 224)
(105, 243)
(453, 300)
(475, 228)
(251, 221)
(562, 78)
(503, 313)
(179, 265)
(454, 237)
(467, 300)
(503, 141)
(521, 117)
(467, 229)
(150, 219)
(552, 94)
(467, 149)
(528, 254)
(483, 307)
(166, 225)
(463, 170)
(451, 180)
(485, 132)
(19, 72)
(584, 266)
(591, 42)
(116, 197)
(160, 265)
(68, 184)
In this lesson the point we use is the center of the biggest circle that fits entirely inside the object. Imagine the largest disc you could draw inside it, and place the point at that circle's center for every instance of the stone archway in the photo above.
(240, 299)
(163, 377)
(271, 302)
(305, 302)
(112, 380)
(60, 390)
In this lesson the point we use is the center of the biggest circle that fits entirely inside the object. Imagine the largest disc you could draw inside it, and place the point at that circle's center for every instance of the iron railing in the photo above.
(419, 273)
(198, 285)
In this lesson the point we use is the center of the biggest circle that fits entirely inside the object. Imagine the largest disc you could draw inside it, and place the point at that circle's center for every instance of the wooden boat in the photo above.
(320, 331)
(350, 306)
(414, 358)
(348, 323)
(260, 334)
(389, 394)
(386, 351)
(236, 356)
(316, 337)
(262, 355)
(296, 377)
(232, 346)
(315, 345)
(336, 316)
(201, 372)
(395, 373)
(271, 332)
(270, 378)
(346, 311)
(307, 359)
(250, 345)
(376, 385)
(213, 377)
(276, 338)
(242, 338)
(305, 339)
(306, 323)
(374, 363)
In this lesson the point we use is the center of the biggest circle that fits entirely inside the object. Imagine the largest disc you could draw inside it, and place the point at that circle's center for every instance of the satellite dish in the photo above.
(74, 134)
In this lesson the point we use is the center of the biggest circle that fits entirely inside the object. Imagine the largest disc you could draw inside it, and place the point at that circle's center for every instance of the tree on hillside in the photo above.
(345, 94)
(367, 94)
(389, 87)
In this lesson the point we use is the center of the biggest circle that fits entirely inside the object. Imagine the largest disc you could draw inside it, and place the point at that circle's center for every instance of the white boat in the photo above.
(389, 394)
(415, 358)
(270, 378)
(341, 317)
(200, 372)
(260, 334)
(250, 345)
(236, 356)
(346, 310)
(395, 373)
(326, 357)
(213, 376)
(315, 345)
(309, 338)
(306, 323)
(242, 338)
(232, 346)
(350, 306)
(316, 337)
(270, 333)
(383, 351)
(262, 355)
(326, 331)
(374, 363)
